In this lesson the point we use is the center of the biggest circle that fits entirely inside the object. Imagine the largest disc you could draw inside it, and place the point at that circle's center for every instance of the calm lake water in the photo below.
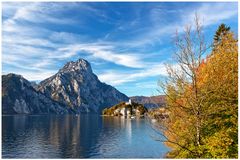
(84, 136)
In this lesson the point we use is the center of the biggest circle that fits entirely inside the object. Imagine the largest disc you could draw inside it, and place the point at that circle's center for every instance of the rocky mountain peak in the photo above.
(79, 65)
(78, 88)
(74, 89)
(19, 97)
(12, 78)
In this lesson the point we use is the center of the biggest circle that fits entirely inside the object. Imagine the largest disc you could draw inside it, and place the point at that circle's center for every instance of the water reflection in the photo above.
(81, 136)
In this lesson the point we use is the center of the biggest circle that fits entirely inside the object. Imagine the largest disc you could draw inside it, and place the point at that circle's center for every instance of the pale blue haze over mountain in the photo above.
(126, 43)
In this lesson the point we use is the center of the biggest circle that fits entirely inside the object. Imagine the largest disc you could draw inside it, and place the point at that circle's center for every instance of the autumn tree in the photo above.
(219, 83)
(183, 129)
(202, 97)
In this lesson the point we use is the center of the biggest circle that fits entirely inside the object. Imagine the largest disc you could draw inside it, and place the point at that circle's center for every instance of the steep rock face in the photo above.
(77, 87)
(19, 97)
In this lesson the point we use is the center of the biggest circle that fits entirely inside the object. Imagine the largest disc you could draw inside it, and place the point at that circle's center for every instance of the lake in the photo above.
(83, 136)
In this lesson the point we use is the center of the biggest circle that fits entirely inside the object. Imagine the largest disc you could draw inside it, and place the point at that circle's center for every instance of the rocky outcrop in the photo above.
(19, 97)
(78, 88)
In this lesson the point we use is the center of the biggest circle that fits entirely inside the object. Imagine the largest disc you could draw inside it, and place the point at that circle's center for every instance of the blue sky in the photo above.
(127, 43)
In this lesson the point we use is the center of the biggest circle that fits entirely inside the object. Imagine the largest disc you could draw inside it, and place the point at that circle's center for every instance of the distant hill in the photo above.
(150, 102)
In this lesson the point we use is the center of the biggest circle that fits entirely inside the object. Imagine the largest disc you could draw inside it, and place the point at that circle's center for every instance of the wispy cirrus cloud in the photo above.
(124, 44)
(38, 12)
(212, 13)
(105, 52)
(41, 47)
(116, 78)
(37, 76)
(209, 14)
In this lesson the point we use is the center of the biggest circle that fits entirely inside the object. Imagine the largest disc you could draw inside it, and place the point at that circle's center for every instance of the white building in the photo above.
(117, 111)
(129, 102)
(125, 111)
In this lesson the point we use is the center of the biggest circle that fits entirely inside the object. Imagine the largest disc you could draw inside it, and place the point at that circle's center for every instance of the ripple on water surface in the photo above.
(84, 136)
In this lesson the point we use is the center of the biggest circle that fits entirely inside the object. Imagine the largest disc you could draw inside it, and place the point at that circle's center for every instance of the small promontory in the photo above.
(125, 109)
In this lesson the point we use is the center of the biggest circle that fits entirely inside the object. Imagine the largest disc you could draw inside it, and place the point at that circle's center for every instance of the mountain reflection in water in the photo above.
(84, 136)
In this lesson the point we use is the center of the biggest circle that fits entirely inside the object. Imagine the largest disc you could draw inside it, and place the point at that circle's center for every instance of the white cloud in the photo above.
(23, 40)
(33, 48)
(144, 85)
(39, 13)
(39, 48)
(213, 13)
(117, 78)
(210, 13)
(104, 52)
(36, 76)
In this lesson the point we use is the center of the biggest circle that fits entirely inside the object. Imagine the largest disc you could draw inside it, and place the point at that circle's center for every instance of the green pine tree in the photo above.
(221, 31)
